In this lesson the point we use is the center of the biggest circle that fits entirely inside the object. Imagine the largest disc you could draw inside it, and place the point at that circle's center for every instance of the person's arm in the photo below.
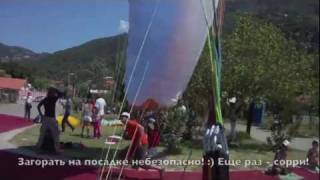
(140, 134)
(126, 136)
(39, 107)
(309, 154)
(61, 103)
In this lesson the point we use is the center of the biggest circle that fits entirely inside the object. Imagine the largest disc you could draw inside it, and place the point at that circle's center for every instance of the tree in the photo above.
(196, 94)
(259, 62)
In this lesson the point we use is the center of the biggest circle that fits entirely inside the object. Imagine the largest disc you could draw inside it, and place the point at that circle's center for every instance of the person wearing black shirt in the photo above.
(49, 123)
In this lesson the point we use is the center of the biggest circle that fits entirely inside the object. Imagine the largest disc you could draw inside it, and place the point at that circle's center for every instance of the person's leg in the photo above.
(43, 129)
(99, 129)
(83, 126)
(132, 149)
(140, 152)
(25, 111)
(233, 128)
(94, 129)
(29, 113)
(68, 123)
(65, 118)
(55, 133)
(88, 129)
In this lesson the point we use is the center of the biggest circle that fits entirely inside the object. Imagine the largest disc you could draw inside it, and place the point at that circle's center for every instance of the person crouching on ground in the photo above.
(280, 155)
(313, 155)
(139, 139)
(49, 123)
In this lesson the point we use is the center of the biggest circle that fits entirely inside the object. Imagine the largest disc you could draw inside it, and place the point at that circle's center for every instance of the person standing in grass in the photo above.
(100, 106)
(96, 123)
(67, 112)
(86, 117)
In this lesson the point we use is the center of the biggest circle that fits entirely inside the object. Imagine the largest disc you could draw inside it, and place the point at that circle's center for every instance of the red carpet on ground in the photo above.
(8, 123)
(9, 169)
(306, 174)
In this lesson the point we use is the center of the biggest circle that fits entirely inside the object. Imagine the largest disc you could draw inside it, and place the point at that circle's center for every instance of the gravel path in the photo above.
(259, 134)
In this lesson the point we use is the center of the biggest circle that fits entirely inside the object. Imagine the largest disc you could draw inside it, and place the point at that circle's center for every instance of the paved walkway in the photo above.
(259, 134)
(18, 109)
(5, 137)
(6, 145)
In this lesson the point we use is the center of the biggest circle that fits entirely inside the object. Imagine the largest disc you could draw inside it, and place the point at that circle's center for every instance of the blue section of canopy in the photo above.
(172, 47)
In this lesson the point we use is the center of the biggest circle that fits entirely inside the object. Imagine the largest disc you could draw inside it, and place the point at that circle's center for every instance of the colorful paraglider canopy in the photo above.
(169, 36)
(150, 104)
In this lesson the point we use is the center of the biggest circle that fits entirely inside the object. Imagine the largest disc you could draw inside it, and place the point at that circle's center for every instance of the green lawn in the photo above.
(247, 149)
(92, 150)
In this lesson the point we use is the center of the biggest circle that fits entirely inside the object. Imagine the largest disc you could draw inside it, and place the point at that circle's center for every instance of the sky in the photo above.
(52, 25)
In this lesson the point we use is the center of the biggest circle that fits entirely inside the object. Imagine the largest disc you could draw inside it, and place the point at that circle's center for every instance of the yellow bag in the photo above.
(71, 119)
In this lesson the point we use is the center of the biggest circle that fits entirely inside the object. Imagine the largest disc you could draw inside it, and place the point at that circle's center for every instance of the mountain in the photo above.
(83, 60)
(298, 19)
(15, 53)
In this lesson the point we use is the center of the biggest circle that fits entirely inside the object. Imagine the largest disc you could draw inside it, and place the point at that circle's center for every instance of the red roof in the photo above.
(12, 83)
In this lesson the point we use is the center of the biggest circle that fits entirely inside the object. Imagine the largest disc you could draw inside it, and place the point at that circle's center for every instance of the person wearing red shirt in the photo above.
(139, 139)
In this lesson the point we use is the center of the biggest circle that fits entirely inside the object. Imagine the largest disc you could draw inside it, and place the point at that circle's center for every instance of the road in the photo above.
(18, 109)
(259, 134)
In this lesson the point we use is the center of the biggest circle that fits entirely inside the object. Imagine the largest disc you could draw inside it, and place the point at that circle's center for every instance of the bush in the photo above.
(174, 125)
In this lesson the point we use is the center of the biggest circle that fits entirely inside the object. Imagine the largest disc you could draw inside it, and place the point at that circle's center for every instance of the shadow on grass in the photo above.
(85, 153)
(251, 147)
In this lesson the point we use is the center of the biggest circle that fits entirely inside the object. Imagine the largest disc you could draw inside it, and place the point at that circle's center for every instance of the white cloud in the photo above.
(123, 26)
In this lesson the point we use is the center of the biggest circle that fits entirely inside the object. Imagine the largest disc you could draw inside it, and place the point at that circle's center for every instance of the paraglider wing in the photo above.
(169, 36)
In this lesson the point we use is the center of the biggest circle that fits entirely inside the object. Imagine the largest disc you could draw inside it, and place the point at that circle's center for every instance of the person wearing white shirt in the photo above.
(28, 106)
(100, 105)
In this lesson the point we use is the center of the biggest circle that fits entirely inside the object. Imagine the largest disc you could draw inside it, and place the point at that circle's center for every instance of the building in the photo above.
(10, 88)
